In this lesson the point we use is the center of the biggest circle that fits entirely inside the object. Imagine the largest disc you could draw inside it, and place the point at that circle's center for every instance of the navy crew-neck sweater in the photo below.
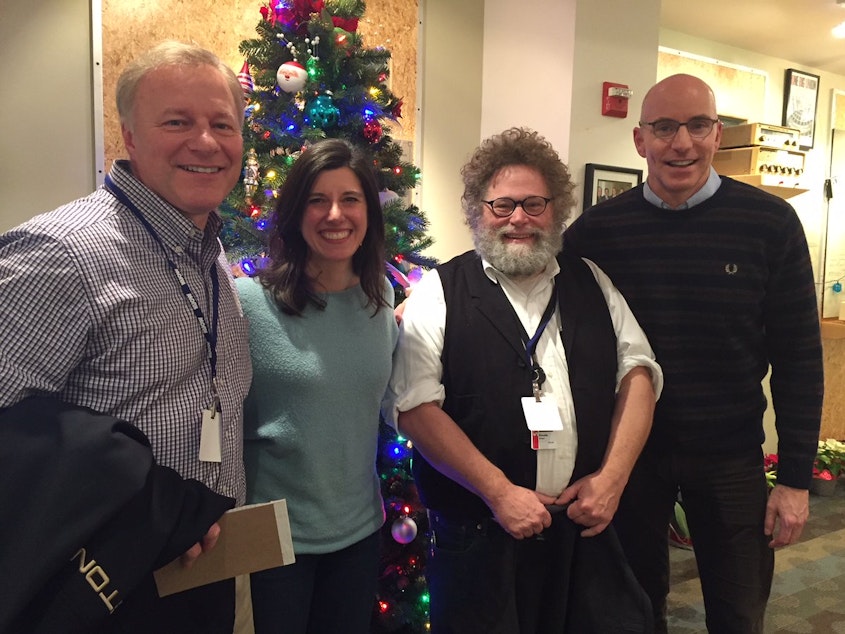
(723, 290)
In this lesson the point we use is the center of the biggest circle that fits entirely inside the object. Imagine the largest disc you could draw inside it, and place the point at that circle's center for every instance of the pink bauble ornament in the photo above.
(404, 530)
(291, 76)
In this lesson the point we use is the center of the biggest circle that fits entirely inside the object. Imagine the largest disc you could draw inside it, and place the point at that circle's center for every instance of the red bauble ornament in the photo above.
(372, 131)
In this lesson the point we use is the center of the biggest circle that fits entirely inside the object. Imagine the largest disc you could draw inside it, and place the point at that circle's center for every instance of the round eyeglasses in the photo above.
(504, 207)
(698, 127)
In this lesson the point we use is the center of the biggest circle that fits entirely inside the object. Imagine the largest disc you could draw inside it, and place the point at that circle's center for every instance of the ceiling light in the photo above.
(839, 30)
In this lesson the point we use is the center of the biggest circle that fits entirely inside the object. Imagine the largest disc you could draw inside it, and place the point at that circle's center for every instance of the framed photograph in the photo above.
(800, 98)
(603, 182)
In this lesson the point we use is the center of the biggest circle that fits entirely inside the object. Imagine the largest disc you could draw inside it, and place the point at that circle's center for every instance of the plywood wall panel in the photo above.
(131, 27)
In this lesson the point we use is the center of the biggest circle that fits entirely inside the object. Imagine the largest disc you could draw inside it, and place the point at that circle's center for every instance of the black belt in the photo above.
(482, 525)
(479, 526)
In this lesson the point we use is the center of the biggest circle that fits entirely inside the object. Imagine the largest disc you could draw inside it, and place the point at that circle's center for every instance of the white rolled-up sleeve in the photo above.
(417, 369)
(632, 346)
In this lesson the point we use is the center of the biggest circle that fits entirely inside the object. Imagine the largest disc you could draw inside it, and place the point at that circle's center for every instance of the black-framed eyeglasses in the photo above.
(698, 127)
(504, 207)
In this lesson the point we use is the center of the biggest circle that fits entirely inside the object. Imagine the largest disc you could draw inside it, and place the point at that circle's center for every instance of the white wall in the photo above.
(528, 68)
(449, 115)
(620, 50)
(46, 118)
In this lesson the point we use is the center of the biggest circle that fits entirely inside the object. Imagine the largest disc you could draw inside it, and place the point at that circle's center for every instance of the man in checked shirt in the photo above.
(122, 301)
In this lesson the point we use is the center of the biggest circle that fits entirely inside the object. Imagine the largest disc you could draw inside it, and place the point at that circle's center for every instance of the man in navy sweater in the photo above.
(718, 274)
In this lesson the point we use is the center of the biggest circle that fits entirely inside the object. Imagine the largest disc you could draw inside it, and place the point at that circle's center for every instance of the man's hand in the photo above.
(521, 512)
(208, 542)
(786, 513)
(594, 501)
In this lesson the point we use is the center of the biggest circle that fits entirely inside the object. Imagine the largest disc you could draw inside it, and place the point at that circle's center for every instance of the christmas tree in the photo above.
(307, 76)
(402, 601)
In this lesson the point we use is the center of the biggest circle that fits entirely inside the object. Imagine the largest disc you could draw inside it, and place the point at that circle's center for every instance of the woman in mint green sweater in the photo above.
(322, 333)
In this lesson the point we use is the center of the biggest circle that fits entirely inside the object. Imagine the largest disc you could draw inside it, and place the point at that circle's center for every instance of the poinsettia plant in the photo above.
(770, 467)
(830, 459)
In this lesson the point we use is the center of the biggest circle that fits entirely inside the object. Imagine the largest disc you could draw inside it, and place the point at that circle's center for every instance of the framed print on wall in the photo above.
(800, 98)
(603, 182)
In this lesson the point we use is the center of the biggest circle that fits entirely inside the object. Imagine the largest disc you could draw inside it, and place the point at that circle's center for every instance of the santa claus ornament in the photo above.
(291, 76)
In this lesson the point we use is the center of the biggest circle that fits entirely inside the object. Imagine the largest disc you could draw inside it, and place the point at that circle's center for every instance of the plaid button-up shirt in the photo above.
(91, 312)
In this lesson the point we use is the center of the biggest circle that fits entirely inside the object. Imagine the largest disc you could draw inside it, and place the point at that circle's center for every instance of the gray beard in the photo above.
(516, 260)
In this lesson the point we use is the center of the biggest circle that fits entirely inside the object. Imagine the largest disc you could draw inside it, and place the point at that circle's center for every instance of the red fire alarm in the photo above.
(614, 99)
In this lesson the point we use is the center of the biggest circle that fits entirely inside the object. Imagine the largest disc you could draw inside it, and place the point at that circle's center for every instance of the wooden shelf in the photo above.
(770, 183)
(833, 329)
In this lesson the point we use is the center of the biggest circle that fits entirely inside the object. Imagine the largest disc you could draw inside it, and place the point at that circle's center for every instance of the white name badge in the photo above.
(211, 436)
(542, 415)
(543, 419)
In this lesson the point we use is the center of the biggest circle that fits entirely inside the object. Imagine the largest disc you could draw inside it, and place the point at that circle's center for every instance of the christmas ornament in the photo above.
(296, 14)
(315, 71)
(372, 131)
(341, 38)
(396, 111)
(387, 195)
(251, 173)
(245, 79)
(404, 530)
(291, 76)
(837, 287)
(347, 24)
(322, 112)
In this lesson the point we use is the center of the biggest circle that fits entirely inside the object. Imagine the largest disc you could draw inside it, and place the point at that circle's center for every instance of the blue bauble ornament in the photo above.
(321, 112)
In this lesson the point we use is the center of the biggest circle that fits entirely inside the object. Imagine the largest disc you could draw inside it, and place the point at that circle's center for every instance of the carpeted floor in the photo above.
(808, 592)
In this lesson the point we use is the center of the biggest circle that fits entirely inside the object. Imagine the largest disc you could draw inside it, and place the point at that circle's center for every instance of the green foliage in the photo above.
(830, 457)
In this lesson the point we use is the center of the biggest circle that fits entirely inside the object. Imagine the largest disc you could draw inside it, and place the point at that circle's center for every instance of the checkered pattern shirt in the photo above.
(90, 311)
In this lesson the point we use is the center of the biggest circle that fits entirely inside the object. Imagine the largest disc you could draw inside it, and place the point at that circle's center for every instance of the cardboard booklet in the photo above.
(252, 538)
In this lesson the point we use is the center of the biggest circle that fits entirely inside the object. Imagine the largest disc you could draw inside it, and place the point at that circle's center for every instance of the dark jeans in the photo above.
(725, 502)
(480, 579)
(318, 594)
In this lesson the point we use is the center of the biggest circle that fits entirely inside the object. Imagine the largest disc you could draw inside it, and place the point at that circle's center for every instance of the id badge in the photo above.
(542, 418)
(211, 436)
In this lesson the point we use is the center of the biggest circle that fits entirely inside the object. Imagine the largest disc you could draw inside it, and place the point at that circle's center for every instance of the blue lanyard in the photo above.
(538, 377)
(209, 334)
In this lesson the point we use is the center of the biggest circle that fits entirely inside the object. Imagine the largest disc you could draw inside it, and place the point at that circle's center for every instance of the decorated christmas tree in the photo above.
(308, 76)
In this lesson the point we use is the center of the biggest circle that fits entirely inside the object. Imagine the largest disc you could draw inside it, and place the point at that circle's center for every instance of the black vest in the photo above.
(485, 375)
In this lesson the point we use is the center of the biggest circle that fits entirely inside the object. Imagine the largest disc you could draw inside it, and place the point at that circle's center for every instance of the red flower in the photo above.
(822, 475)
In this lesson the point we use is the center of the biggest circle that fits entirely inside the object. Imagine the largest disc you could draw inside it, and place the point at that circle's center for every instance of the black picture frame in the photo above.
(615, 180)
(800, 103)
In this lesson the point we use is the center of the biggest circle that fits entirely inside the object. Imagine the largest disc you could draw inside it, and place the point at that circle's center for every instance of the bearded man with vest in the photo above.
(527, 387)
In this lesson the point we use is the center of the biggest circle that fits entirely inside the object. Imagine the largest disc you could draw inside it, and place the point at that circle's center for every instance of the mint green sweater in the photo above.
(312, 415)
